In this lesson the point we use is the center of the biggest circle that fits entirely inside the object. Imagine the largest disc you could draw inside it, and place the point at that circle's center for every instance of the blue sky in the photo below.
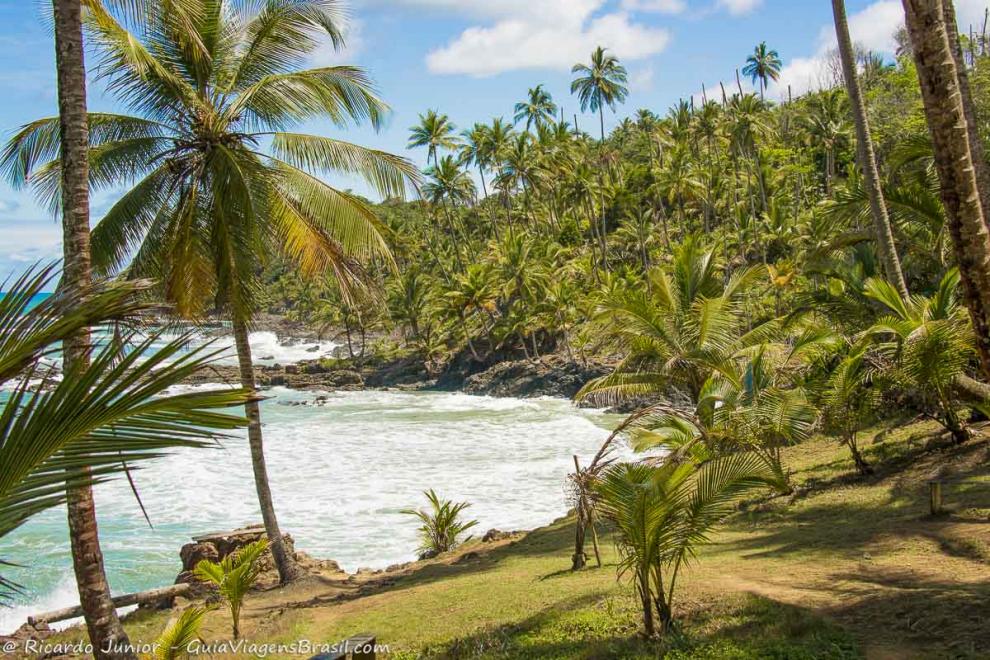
(473, 59)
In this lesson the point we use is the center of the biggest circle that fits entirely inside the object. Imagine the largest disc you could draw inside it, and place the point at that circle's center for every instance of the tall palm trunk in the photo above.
(864, 152)
(955, 157)
(105, 632)
(286, 565)
(484, 188)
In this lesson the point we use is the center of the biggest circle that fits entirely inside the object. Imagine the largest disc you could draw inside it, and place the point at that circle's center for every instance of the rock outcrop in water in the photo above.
(218, 545)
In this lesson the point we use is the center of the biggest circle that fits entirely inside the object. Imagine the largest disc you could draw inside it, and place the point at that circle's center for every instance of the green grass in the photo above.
(849, 567)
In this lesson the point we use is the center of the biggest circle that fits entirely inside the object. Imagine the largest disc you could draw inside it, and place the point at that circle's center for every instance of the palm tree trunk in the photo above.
(948, 123)
(285, 564)
(864, 152)
(105, 631)
(484, 188)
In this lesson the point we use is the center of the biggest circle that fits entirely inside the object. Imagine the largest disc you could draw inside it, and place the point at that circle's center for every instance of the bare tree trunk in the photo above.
(286, 565)
(864, 152)
(955, 158)
(105, 631)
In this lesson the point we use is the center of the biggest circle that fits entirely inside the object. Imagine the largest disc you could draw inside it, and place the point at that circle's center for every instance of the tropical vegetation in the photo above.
(747, 269)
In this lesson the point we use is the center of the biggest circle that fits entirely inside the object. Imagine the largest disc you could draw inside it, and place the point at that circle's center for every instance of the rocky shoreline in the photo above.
(553, 375)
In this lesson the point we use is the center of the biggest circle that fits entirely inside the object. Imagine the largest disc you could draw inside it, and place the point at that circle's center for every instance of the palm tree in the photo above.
(958, 154)
(538, 109)
(449, 186)
(500, 137)
(929, 342)
(763, 66)
(87, 556)
(686, 326)
(826, 124)
(662, 515)
(434, 131)
(105, 414)
(210, 204)
(477, 149)
(601, 84)
(864, 152)
(442, 525)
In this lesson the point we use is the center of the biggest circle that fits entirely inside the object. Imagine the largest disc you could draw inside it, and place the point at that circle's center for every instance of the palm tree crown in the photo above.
(763, 66)
(601, 84)
(434, 131)
(211, 202)
(538, 109)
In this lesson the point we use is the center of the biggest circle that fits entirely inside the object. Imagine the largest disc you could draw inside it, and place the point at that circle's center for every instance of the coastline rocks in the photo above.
(218, 545)
(493, 535)
(553, 376)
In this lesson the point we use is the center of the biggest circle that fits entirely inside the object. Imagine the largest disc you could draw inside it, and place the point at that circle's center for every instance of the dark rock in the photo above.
(467, 557)
(291, 369)
(553, 376)
(493, 535)
(428, 554)
(193, 553)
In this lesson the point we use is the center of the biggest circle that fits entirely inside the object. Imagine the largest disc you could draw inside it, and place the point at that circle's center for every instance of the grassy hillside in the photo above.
(846, 568)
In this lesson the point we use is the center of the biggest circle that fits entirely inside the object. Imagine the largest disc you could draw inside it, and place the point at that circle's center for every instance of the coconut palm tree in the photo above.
(864, 152)
(434, 131)
(538, 109)
(662, 515)
(450, 186)
(87, 556)
(825, 122)
(211, 204)
(763, 66)
(477, 149)
(601, 84)
(958, 154)
(687, 325)
(105, 414)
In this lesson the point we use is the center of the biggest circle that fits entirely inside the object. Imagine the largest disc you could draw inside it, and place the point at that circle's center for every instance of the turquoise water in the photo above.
(340, 473)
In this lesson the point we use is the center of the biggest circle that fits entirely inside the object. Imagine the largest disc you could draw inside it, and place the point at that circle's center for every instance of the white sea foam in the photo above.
(267, 349)
(340, 471)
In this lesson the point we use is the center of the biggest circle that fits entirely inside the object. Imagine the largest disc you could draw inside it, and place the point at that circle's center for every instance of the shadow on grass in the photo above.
(949, 619)
(743, 627)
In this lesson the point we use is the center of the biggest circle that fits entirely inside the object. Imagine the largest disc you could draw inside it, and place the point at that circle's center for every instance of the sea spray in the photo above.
(341, 471)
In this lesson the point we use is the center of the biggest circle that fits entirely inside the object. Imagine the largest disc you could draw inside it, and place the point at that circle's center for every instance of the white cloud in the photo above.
(552, 34)
(641, 80)
(872, 28)
(739, 7)
(658, 6)
(326, 55)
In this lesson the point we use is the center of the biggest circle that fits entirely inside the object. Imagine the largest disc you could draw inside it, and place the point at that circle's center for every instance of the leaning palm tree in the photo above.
(864, 152)
(763, 66)
(434, 131)
(601, 84)
(100, 416)
(211, 203)
(537, 110)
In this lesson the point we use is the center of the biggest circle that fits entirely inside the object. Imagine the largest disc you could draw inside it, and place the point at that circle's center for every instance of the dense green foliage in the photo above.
(722, 252)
